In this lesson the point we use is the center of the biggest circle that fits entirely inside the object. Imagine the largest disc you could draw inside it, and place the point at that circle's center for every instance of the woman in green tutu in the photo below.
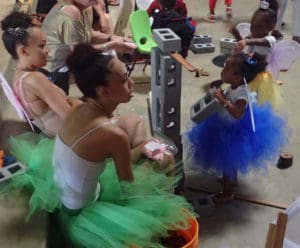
(102, 200)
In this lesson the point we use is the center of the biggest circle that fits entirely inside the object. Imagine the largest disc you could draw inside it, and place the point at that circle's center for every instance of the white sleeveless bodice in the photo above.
(76, 177)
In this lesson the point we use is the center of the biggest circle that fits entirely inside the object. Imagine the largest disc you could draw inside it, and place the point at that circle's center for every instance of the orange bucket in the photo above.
(190, 234)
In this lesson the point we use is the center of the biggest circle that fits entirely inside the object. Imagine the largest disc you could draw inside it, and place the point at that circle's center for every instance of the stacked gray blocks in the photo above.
(11, 170)
(167, 40)
(204, 108)
(226, 45)
(202, 44)
(166, 86)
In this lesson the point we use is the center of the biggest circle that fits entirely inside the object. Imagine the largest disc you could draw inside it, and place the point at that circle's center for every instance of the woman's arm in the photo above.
(120, 152)
(121, 47)
(105, 21)
(99, 38)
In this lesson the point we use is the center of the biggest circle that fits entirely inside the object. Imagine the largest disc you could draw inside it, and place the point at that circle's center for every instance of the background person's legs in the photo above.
(281, 12)
(228, 8)
(212, 6)
(296, 21)
(126, 8)
(228, 2)
(282, 7)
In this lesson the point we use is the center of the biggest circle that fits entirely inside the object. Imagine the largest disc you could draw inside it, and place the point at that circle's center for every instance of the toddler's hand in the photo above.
(219, 95)
(240, 45)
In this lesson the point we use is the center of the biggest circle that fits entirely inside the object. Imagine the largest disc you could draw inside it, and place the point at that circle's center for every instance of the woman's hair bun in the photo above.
(82, 56)
(16, 20)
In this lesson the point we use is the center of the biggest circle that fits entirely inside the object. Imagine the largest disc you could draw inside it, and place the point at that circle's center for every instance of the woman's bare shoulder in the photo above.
(36, 79)
(72, 11)
(109, 132)
(98, 131)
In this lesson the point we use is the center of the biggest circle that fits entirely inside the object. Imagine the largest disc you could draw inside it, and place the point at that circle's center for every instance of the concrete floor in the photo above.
(235, 225)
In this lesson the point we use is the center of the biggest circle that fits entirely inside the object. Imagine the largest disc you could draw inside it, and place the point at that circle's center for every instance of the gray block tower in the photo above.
(166, 86)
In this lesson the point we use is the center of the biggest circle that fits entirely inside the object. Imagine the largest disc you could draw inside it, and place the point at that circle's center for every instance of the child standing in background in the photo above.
(212, 5)
(168, 17)
(260, 41)
(227, 141)
(179, 7)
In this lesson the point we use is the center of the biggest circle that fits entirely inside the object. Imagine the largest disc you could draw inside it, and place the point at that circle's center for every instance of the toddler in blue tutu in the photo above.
(242, 135)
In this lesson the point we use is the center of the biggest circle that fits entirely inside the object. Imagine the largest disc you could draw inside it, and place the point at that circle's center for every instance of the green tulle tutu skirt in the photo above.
(132, 214)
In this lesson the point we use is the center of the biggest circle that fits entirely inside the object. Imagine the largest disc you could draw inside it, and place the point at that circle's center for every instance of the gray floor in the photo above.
(235, 225)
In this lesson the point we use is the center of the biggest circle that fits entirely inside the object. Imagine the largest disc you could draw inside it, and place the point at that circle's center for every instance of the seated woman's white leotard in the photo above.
(76, 177)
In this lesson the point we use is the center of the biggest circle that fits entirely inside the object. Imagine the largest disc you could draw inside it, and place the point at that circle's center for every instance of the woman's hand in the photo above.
(121, 46)
(120, 38)
(99, 7)
(157, 151)
(74, 101)
(154, 149)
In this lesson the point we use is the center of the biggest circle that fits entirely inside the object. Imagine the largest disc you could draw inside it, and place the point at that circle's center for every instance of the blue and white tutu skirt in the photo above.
(229, 145)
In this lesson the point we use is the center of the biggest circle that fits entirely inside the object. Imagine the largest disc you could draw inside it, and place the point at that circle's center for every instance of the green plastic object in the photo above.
(141, 31)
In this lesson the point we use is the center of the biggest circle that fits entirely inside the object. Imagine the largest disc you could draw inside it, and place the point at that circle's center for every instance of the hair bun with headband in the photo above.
(16, 32)
(264, 4)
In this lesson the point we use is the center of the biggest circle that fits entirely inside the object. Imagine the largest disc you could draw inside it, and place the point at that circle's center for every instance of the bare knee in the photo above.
(135, 128)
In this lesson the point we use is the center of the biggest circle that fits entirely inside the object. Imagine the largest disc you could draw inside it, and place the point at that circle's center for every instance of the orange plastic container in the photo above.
(192, 233)
(1, 158)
